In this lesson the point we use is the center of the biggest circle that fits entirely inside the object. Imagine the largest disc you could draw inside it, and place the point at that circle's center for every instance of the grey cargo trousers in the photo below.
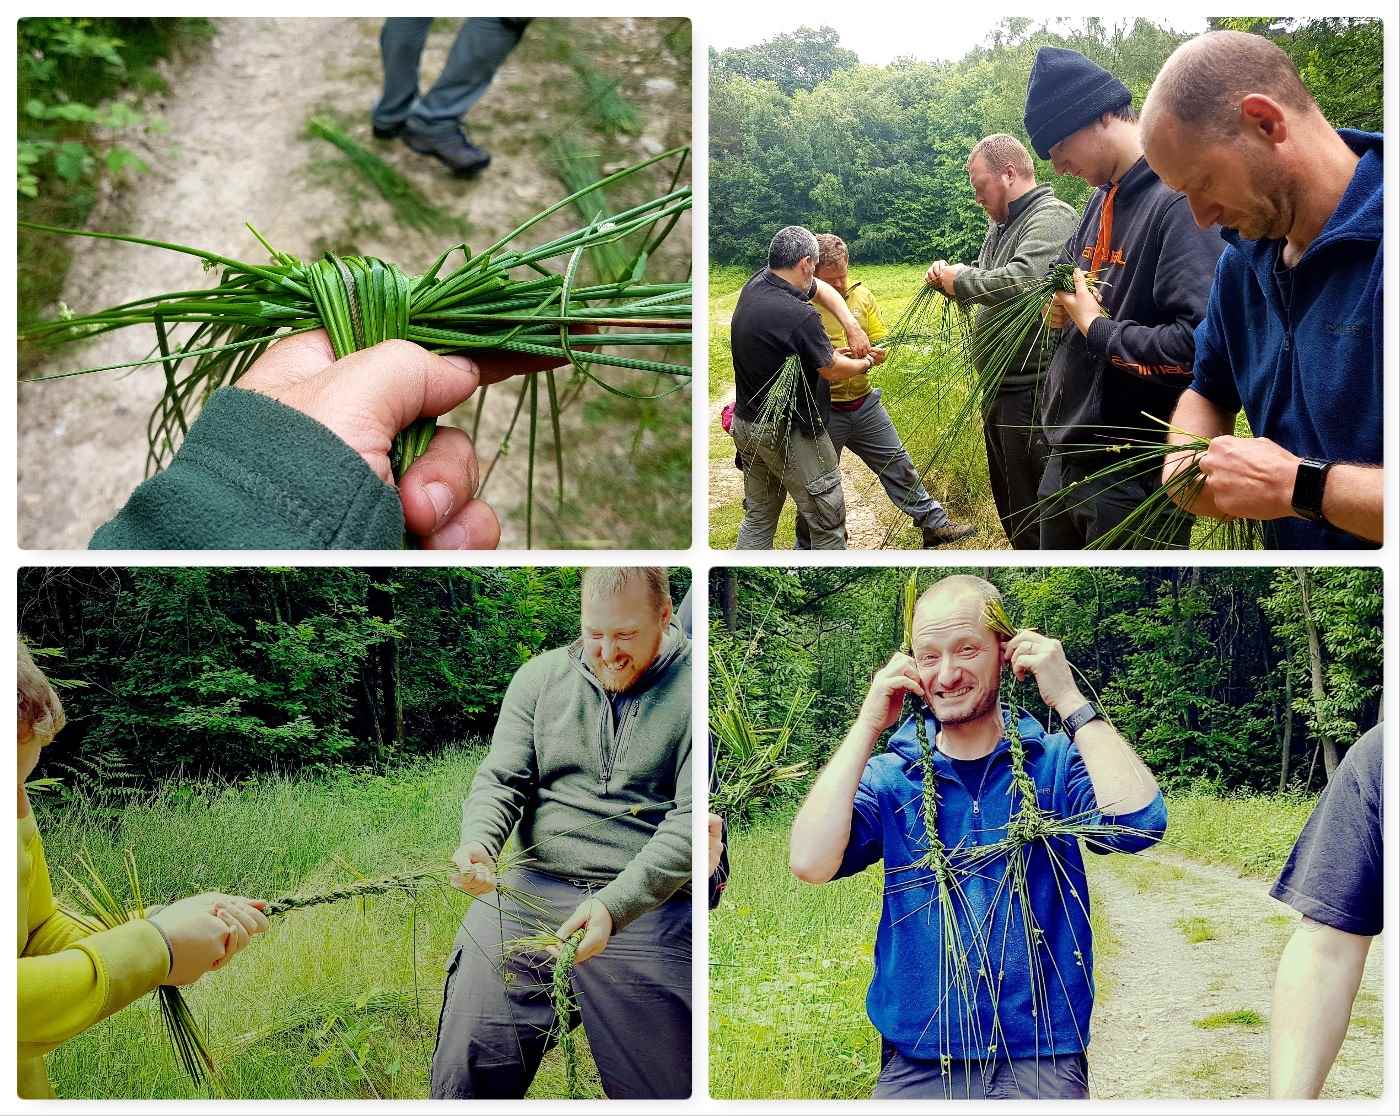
(798, 465)
(633, 1000)
(1062, 1077)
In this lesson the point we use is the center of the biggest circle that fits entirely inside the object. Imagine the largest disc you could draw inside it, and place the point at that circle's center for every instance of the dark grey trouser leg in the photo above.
(493, 1033)
(1017, 454)
(838, 430)
(401, 42)
(799, 465)
(482, 44)
(1093, 509)
(635, 1001)
(1065, 1077)
(875, 441)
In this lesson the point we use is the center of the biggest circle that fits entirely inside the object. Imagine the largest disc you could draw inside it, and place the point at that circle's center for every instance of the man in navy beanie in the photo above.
(1127, 348)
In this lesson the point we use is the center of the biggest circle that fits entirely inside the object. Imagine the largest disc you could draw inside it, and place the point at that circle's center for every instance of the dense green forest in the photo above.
(1251, 678)
(802, 133)
(204, 670)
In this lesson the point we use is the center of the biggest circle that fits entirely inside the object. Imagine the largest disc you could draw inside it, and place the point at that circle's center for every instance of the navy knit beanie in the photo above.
(1066, 92)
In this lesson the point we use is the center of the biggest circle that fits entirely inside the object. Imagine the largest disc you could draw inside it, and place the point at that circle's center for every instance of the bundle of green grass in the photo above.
(501, 298)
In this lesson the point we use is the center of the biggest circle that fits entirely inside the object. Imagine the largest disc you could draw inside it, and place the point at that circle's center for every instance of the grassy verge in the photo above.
(1251, 833)
(333, 1002)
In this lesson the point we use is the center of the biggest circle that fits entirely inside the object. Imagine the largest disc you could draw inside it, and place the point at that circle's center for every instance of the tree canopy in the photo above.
(878, 154)
(227, 671)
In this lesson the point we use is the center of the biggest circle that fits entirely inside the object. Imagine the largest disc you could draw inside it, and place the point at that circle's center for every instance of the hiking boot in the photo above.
(945, 533)
(393, 131)
(454, 150)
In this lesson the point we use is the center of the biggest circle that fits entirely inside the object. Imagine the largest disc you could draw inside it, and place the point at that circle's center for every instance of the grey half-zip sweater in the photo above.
(562, 759)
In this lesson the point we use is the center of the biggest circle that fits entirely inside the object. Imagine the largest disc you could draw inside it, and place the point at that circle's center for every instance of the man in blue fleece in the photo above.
(1029, 1039)
(1293, 329)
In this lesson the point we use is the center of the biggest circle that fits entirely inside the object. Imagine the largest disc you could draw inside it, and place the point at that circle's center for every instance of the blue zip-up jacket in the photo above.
(910, 1002)
(1300, 348)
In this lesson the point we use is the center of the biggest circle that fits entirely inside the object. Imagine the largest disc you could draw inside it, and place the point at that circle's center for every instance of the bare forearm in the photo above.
(843, 367)
(1318, 976)
(822, 828)
(1354, 500)
(1123, 784)
(827, 297)
(1195, 417)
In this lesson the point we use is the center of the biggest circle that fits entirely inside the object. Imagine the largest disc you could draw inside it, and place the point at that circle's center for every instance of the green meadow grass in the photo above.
(334, 1002)
(1251, 833)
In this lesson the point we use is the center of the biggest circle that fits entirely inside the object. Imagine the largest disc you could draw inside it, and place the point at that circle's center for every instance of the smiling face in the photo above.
(958, 657)
(622, 634)
(1233, 180)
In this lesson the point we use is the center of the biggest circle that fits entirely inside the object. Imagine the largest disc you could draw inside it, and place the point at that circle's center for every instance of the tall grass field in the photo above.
(333, 1002)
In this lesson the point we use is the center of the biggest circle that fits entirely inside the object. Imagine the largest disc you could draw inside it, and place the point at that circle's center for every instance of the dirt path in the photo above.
(234, 152)
(863, 528)
(1144, 1044)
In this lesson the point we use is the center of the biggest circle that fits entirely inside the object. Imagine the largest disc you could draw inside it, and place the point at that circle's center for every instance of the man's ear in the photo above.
(1263, 116)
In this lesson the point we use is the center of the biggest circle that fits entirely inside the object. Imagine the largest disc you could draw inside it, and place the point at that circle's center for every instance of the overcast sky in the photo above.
(933, 35)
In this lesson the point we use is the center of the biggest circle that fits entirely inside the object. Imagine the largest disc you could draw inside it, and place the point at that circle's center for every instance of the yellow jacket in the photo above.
(69, 977)
(867, 315)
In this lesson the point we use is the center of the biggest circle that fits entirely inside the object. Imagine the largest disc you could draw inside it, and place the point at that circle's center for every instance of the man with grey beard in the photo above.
(590, 766)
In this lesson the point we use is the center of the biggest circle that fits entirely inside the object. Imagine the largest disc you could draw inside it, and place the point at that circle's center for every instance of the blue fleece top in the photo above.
(911, 1002)
(1300, 348)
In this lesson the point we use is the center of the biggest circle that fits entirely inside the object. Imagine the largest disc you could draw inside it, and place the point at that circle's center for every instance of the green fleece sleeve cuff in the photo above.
(130, 960)
(255, 474)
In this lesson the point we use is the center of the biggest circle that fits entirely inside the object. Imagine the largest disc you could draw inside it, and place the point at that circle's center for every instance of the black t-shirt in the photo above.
(1334, 874)
(772, 321)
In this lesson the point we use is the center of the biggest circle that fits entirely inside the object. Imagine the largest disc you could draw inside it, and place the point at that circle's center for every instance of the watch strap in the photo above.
(1308, 486)
(1081, 717)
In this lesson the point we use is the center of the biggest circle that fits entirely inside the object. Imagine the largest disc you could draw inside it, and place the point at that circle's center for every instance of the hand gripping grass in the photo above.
(502, 298)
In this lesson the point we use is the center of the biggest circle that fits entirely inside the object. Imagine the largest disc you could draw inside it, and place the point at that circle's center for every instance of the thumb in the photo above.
(1081, 283)
(573, 922)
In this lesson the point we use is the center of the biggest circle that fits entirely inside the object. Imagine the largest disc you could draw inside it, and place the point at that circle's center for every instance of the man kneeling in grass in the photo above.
(1008, 1016)
(590, 762)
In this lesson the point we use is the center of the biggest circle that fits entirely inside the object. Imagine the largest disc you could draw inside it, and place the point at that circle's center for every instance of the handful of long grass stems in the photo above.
(502, 298)
(954, 364)
(1162, 521)
(748, 765)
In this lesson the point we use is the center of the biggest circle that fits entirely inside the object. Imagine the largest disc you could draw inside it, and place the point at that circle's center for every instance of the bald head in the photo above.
(960, 592)
(1206, 79)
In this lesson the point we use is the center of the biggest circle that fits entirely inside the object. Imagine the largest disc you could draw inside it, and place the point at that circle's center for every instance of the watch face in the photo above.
(1307, 488)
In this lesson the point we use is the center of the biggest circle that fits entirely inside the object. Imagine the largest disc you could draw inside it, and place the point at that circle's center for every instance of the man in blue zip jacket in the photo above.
(1293, 331)
(1029, 1038)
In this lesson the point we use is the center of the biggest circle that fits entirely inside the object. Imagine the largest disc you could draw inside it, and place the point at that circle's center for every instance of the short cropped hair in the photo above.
(38, 705)
(833, 251)
(792, 244)
(606, 581)
(1002, 150)
(961, 583)
(1206, 78)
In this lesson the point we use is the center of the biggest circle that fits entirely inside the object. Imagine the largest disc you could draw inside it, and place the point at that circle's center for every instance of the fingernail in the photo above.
(451, 537)
(440, 496)
(466, 364)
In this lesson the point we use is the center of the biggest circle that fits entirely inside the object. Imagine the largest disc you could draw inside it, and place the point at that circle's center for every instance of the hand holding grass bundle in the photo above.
(501, 299)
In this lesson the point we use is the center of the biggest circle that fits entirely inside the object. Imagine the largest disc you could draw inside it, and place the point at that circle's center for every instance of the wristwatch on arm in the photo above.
(1308, 486)
(1081, 717)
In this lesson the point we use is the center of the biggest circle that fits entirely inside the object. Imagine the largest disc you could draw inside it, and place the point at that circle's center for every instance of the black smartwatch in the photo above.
(1308, 486)
(1081, 717)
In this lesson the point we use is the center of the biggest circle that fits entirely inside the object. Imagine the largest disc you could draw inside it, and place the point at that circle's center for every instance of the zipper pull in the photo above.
(976, 809)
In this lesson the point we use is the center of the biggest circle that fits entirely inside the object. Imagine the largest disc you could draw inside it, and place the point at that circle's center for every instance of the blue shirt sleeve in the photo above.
(1141, 828)
(1212, 377)
(865, 847)
(1334, 873)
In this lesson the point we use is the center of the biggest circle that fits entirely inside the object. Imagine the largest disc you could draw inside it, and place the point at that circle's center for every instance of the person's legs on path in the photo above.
(482, 44)
(1062, 1077)
(804, 467)
(401, 42)
(838, 430)
(875, 441)
(635, 1002)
